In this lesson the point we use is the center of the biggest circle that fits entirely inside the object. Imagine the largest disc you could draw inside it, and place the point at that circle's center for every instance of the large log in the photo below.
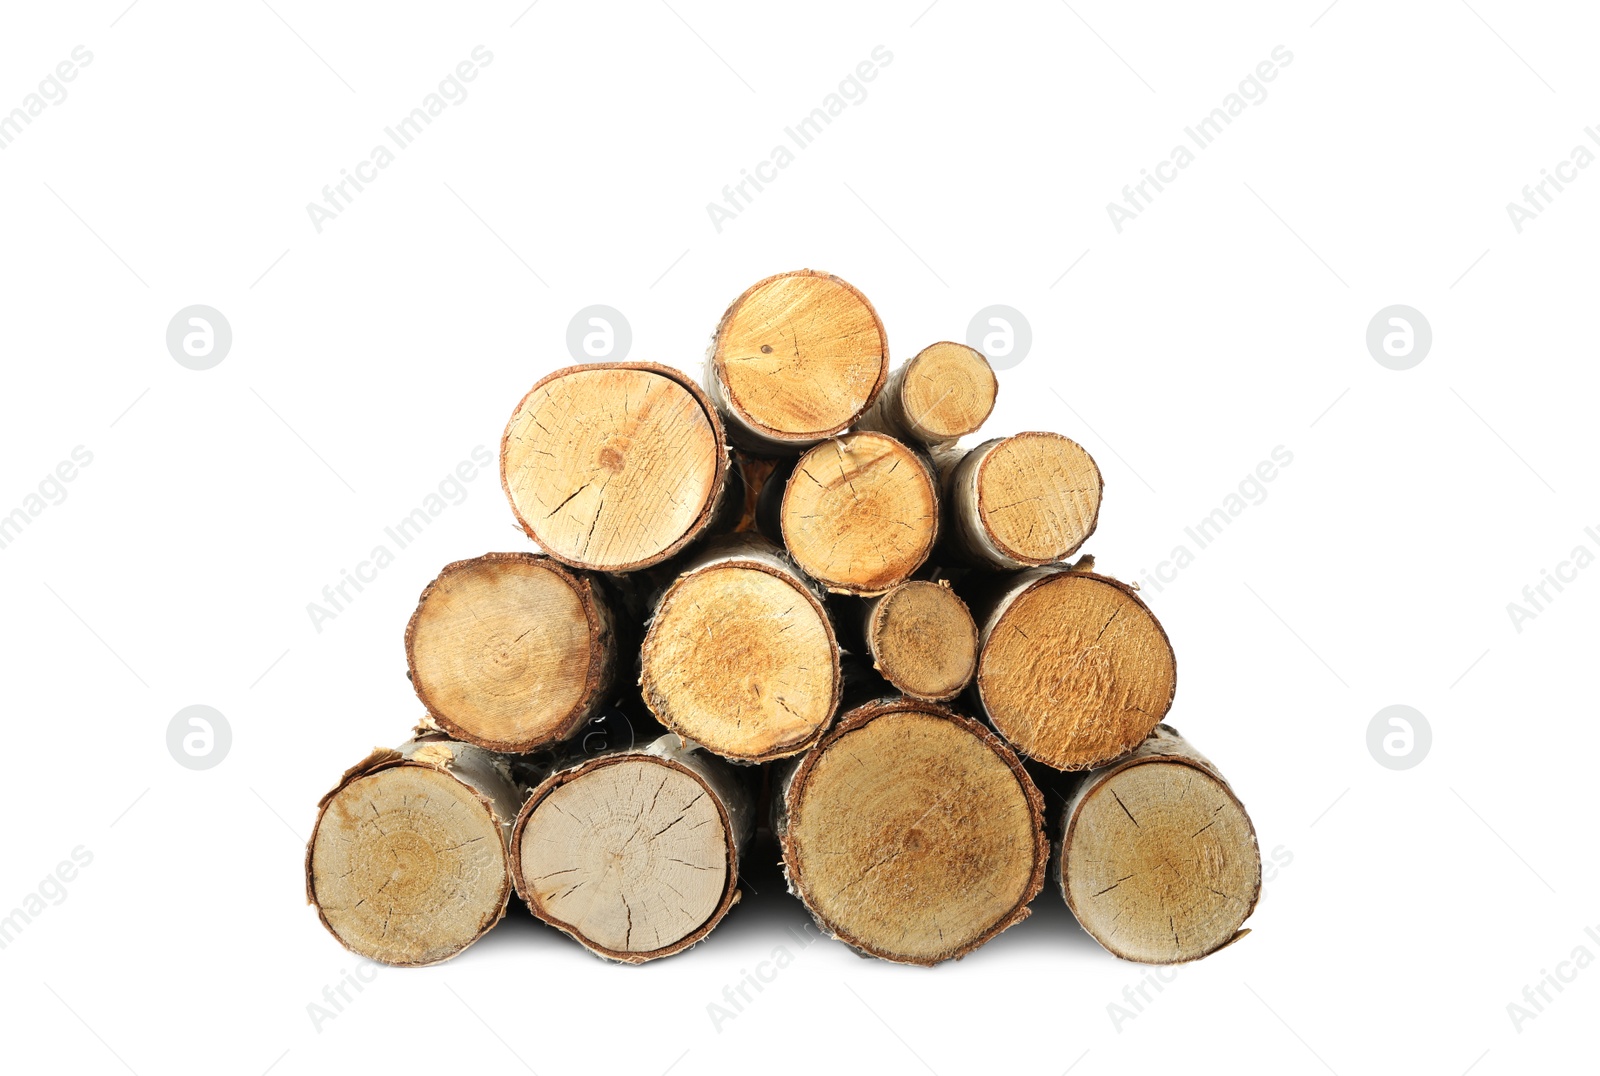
(614, 466)
(944, 392)
(797, 358)
(635, 853)
(408, 862)
(911, 833)
(1073, 669)
(1017, 502)
(511, 651)
(740, 655)
(1158, 859)
(860, 513)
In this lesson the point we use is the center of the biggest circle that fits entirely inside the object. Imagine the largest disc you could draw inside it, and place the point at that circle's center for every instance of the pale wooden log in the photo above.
(1022, 501)
(911, 833)
(1073, 668)
(921, 638)
(511, 651)
(944, 392)
(740, 655)
(635, 854)
(797, 358)
(408, 861)
(860, 513)
(1158, 859)
(614, 466)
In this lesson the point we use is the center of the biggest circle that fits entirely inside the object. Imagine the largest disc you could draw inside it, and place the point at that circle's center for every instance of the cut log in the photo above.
(922, 639)
(796, 358)
(945, 392)
(1073, 669)
(614, 466)
(408, 862)
(740, 655)
(1159, 861)
(635, 854)
(911, 833)
(860, 513)
(1022, 501)
(511, 651)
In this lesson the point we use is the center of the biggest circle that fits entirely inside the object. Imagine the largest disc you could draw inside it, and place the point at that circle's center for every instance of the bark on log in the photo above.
(796, 358)
(408, 862)
(740, 655)
(635, 854)
(511, 651)
(922, 639)
(944, 392)
(860, 513)
(614, 466)
(911, 833)
(1022, 501)
(1073, 669)
(1158, 859)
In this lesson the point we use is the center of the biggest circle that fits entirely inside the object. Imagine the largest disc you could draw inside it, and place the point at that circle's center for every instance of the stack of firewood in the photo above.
(788, 598)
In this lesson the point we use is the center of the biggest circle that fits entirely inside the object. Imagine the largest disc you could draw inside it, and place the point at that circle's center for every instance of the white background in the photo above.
(368, 360)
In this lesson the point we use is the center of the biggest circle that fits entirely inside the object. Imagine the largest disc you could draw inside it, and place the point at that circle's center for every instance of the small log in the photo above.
(944, 392)
(408, 862)
(796, 358)
(1022, 501)
(922, 639)
(911, 833)
(635, 854)
(740, 655)
(1073, 669)
(860, 513)
(1158, 859)
(614, 466)
(511, 651)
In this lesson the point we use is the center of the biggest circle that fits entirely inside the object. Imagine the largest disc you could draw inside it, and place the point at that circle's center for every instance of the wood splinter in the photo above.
(1159, 860)
(635, 854)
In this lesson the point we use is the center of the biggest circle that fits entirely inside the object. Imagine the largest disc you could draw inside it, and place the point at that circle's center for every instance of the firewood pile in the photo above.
(811, 610)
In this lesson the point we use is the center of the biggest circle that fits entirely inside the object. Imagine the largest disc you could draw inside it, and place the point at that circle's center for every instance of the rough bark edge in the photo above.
(734, 806)
(973, 539)
(1024, 581)
(426, 752)
(789, 784)
(713, 498)
(890, 415)
(757, 437)
(932, 545)
(748, 550)
(603, 657)
(872, 627)
(1164, 744)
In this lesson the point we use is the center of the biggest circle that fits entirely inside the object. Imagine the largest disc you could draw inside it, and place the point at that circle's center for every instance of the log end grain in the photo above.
(741, 657)
(614, 466)
(945, 392)
(1074, 669)
(407, 864)
(923, 640)
(796, 358)
(1038, 497)
(1161, 864)
(510, 651)
(632, 855)
(913, 834)
(860, 513)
